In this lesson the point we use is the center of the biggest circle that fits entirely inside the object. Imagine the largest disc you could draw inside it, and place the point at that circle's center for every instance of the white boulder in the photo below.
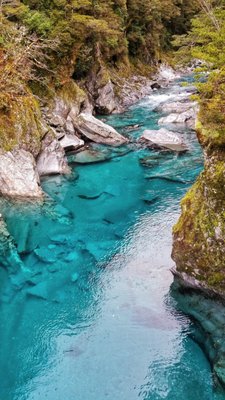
(98, 131)
(164, 139)
(52, 161)
(18, 175)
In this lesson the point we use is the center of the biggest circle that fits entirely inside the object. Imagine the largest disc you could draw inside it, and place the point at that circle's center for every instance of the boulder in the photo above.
(164, 139)
(71, 142)
(18, 175)
(52, 161)
(187, 118)
(98, 131)
(176, 107)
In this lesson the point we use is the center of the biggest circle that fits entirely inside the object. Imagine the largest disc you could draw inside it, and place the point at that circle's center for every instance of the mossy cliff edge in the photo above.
(199, 235)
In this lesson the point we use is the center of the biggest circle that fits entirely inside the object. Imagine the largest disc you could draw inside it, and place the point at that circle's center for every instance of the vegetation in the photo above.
(199, 236)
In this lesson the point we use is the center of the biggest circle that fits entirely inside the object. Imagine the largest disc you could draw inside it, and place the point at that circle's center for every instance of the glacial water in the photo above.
(89, 316)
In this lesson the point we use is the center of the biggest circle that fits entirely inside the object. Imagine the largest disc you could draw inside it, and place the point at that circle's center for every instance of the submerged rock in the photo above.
(9, 257)
(52, 160)
(208, 311)
(164, 139)
(18, 175)
(98, 131)
(88, 156)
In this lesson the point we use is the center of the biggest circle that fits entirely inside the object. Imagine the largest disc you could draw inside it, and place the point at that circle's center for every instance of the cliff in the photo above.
(199, 236)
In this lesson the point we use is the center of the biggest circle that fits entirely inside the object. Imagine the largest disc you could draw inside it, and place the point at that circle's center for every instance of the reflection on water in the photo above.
(88, 316)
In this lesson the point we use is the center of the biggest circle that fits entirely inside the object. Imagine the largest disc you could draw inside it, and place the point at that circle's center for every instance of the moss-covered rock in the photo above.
(21, 124)
(199, 236)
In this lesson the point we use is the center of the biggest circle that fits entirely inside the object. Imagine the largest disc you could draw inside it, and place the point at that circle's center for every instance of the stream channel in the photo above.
(90, 316)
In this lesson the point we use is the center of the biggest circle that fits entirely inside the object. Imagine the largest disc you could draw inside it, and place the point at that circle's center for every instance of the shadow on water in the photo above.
(86, 316)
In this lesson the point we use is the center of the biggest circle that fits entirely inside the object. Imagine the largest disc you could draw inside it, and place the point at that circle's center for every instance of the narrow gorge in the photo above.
(111, 114)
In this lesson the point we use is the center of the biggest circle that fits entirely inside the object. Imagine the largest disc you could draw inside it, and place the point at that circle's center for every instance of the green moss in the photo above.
(199, 235)
(20, 124)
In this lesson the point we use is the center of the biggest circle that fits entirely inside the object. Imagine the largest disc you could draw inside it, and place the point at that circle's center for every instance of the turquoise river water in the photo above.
(90, 315)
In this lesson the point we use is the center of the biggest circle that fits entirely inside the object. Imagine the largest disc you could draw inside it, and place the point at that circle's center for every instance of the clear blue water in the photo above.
(89, 316)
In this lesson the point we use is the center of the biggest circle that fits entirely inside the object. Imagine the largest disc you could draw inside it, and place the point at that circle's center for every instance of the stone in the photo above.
(187, 118)
(176, 107)
(105, 102)
(52, 161)
(18, 175)
(98, 131)
(88, 156)
(164, 139)
(71, 142)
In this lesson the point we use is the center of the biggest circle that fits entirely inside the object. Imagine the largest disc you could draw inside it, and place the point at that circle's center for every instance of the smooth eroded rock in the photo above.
(187, 118)
(52, 160)
(71, 142)
(177, 107)
(18, 175)
(164, 139)
(98, 131)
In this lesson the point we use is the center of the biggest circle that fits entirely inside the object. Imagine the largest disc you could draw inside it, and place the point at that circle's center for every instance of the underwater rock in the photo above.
(52, 160)
(207, 310)
(9, 257)
(71, 142)
(18, 175)
(88, 156)
(169, 178)
(187, 118)
(98, 131)
(164, 139)
(39, 291)
(46, 255)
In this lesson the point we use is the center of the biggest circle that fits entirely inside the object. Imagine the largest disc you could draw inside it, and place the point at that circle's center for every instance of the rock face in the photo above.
(199, 236)
(52, 160)
(18, 175)
(98, 131)
(164, 139)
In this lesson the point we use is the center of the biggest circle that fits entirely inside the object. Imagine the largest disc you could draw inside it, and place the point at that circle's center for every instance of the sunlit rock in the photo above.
(52, 160)
(164, 139)
(177, 107)
(18, 175)
(98, 131)
(187, 118)
(71, 142)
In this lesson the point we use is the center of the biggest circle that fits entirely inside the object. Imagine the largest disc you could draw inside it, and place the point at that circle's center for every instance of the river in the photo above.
(90, 316)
